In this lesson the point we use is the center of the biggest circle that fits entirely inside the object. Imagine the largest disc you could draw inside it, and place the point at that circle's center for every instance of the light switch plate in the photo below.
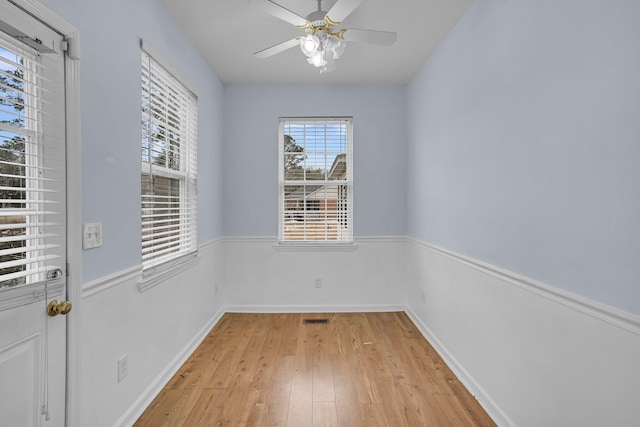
(91, 235)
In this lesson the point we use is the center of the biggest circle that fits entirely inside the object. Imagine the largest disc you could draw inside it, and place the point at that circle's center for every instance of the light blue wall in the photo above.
(110, 34)
(524, 144)
(251, 153)
(521, 149)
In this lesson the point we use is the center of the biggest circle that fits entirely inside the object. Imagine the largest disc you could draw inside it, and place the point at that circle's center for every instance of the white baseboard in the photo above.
(156, 386)
(312, 308)
(491, 407)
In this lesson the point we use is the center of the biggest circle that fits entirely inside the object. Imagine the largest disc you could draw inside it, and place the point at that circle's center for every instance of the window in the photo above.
(316, 180)
(169, 138)
(32, 164)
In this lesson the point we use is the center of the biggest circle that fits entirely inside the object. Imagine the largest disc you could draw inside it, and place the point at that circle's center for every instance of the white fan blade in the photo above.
(280, 12)
(383, 38)
(280, 47)
(342, 9)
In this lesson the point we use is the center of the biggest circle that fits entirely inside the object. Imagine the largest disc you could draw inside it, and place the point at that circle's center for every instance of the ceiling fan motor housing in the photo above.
(319, 24)
(317, 18)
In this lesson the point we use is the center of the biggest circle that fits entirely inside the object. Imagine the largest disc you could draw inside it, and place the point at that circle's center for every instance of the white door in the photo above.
(32, 222)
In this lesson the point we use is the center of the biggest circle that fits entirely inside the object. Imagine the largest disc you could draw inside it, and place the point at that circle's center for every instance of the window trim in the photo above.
(310, 246)
(315, 245)
(169, 265)
(156, 275)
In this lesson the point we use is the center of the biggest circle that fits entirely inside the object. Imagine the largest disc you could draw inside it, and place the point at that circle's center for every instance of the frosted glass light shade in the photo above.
(317, 60)
(309, 45)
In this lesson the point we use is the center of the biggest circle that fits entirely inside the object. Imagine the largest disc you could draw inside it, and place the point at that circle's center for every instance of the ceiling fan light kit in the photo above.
(323, 43)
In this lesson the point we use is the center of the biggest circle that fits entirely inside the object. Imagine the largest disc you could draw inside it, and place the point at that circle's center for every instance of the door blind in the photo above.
(316, 180)
(32, 165)
(169, 138)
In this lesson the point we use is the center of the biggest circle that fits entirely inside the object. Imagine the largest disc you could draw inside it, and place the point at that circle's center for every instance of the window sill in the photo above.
(315, 247)
(162, 272)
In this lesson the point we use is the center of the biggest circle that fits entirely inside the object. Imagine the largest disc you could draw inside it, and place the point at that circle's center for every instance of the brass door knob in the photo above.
(56, 307)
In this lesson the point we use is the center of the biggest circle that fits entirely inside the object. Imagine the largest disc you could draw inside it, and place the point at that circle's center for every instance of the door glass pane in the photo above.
(32, 198)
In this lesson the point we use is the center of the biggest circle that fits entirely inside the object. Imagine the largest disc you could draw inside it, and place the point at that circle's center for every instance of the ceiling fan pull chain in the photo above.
(45, 386)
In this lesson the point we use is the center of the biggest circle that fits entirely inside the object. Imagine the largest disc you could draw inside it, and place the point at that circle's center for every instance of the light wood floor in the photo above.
(360, 369)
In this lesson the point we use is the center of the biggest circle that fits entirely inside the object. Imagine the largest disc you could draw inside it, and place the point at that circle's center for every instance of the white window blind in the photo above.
(316, 180)
(32, 165)
(169, 179)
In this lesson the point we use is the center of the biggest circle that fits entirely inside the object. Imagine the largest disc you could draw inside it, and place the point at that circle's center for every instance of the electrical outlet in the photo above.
(317, 283)
(123, 368)
(423, 298)
(91, 235)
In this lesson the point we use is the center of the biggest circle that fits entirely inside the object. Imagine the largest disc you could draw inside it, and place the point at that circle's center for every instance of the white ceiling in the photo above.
(228, 32)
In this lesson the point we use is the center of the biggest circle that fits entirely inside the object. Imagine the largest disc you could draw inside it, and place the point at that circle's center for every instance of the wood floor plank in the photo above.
(277, 395)
(352, 360)
(162, 411)
(222, 372)
(266, 363)
(414, 386)
(206, 411)
(302, 381)
(289, 343)
(300, 413)
(240, 396)
(322, 362)
(359, 369)
(325, 414)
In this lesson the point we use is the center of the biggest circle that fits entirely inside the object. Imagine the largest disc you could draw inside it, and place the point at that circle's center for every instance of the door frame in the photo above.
(74, 198)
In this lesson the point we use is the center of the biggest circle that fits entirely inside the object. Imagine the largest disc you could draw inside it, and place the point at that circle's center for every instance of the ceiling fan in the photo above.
(323, 42)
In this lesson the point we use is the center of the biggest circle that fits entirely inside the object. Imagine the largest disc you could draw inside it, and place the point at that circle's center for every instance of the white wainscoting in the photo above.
(158, 329)
(532, 354)
(261, 278)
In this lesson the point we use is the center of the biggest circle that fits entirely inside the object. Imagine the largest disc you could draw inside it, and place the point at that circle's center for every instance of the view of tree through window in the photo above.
(161, 194)
(12, 169)
(316, 180)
